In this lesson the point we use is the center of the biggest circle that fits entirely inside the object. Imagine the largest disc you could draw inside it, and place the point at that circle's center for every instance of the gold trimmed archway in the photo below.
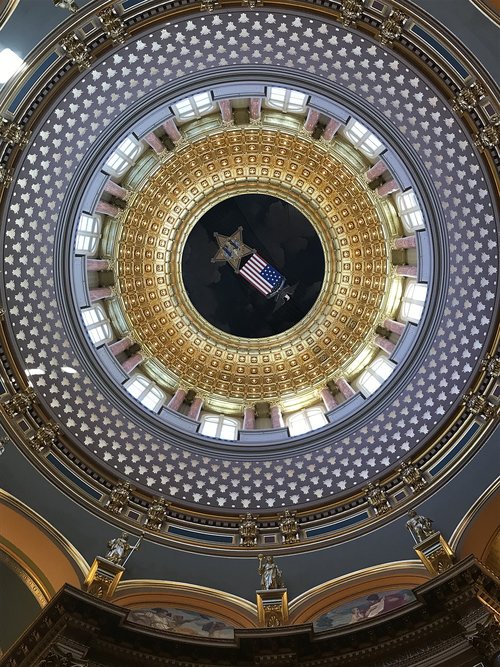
(390, 576)
(140, 594)
(38, 549)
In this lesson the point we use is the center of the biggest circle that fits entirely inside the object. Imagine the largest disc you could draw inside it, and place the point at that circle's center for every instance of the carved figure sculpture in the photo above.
(118, 549)
(271, 576)
(419, 526)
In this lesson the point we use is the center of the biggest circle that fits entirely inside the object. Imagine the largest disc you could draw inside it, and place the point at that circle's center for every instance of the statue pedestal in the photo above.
(272, 607)
(435, 553)
(103, 578)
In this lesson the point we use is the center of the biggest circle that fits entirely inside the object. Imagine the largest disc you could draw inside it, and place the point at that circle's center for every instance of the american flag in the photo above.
(261, 275)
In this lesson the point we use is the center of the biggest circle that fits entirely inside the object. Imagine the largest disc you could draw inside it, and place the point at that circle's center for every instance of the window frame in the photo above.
(221, 421)
(148, 387)
(372, 372)
(121, 159)
(359, 135)
(305, 415)
(197, 108)
(102, 322)
(93, 236)
(287, 105)
(407, 301)
(412, 217)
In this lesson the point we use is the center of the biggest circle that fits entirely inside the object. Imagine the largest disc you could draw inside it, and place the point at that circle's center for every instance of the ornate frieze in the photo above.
(209, 5)
(489, 137)
(392, 27)
(119, 497)
(377, 498)
(248, 530)
(492, 366)
(486, 639)
(351, 11)
(19, 402)
(5, 176)
(157, 513)
(412, 476)
(44, 438)
(77, 51)
(289, 527)
(468, 98)
(479, 405)
(113, 25)
(252, 4)
(13, 134)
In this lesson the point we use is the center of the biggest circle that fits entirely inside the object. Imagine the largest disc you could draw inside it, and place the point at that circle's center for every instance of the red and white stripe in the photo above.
(251, 272)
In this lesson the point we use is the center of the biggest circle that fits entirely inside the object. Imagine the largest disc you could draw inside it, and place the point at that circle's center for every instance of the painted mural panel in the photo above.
(363, 608)
(182, 621)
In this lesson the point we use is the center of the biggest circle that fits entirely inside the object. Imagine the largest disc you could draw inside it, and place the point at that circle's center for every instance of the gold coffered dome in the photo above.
(326, 183)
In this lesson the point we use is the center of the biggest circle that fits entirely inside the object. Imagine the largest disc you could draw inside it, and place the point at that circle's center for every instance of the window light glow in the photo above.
(363, 138)
(286, 100)
(410, 211)
(413, 301)
(10, 62)
(88, 234)
(374, 375)
(306, 420)
(123, 156)
(194, 106)
(145, 391)
(219, 426)
(97, 324)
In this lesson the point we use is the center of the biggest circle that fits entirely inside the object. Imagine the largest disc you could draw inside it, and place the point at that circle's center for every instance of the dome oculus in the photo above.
(284, 254)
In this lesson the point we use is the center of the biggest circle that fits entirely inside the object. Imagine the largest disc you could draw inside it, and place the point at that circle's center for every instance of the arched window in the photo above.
(306, 420)
(194, 106)
(123, 157)
(286, 100)
(88, 234)
(374, 375)
(410, 211)
(219, 426)
(363, 138)
(413, 301)
(97, 324)
(145, 391)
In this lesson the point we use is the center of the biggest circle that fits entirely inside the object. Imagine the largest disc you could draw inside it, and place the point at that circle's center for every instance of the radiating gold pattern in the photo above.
(354, 227)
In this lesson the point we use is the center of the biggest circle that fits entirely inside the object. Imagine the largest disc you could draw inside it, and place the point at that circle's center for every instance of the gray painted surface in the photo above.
(472, 27)
(390, 542)
(31, 21)
(18, 607)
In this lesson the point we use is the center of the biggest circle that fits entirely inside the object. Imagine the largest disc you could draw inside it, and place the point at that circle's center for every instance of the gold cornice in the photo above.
(355, 227)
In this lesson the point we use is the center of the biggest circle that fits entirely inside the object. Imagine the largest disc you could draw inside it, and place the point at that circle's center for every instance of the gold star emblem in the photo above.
(232, 249)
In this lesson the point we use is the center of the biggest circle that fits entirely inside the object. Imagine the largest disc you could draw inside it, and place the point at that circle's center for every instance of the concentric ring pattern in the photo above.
(316, 54)
(338, 203)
